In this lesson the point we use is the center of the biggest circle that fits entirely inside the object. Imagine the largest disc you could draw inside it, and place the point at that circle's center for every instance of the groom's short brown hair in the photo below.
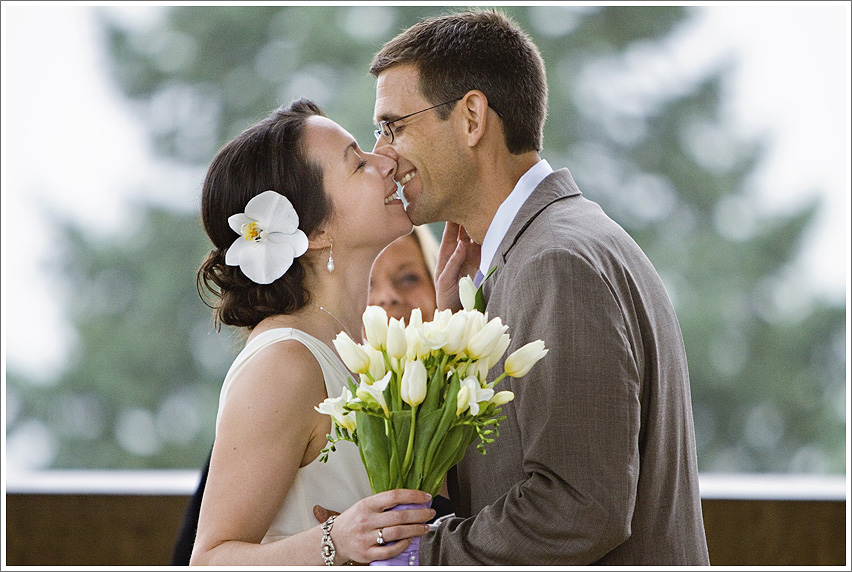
(477, 49)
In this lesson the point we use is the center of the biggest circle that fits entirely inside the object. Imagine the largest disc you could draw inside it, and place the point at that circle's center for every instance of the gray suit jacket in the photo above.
(596, 462)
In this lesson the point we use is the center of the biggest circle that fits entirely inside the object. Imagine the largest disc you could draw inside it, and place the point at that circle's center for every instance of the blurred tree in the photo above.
(141, 385)
(767, 364)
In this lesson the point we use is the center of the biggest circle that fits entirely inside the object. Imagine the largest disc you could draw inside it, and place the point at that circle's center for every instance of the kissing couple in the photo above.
(596, 461)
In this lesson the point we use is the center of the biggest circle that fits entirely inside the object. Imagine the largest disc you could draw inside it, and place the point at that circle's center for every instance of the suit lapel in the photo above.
(555, 187)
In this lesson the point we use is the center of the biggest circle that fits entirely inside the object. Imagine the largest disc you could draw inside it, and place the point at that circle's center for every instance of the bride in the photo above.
(297, 213)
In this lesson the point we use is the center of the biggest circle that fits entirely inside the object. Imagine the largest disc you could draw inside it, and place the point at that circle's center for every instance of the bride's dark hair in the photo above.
(268, 155)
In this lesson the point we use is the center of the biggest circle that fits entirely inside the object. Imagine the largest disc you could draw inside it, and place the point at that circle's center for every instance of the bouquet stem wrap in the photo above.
(411, 555)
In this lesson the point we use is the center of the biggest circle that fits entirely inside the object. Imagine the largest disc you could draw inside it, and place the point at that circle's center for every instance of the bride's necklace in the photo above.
(342, 325)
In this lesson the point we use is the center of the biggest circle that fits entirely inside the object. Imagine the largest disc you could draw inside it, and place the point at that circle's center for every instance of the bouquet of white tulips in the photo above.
(422, 397)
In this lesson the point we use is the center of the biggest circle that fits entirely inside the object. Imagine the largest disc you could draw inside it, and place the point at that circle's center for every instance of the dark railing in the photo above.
(131, 518)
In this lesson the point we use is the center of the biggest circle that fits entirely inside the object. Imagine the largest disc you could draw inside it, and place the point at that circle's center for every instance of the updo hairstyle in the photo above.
(269, 155)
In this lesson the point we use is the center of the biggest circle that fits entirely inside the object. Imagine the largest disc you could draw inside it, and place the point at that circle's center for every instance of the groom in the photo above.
(596, 460)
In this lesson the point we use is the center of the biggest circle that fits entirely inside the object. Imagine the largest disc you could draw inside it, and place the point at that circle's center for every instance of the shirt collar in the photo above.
(509, 210)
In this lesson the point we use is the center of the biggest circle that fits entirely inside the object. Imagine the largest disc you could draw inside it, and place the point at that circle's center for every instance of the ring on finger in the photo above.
(381, 539)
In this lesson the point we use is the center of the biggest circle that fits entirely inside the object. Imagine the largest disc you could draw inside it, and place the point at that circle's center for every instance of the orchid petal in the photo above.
(232, 255)
(298, 240)
(237, 221)
(264, 264)
(274, 212)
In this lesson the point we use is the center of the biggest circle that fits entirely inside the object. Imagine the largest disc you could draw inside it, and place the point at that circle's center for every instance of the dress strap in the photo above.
(334, 372)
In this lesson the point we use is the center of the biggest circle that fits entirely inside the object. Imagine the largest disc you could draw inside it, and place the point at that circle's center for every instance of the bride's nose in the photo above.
(386, 165)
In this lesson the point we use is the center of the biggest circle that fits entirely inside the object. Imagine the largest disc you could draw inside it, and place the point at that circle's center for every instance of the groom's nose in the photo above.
(382, 147)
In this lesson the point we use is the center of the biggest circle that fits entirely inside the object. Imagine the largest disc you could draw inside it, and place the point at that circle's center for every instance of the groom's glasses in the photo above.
(386, 128)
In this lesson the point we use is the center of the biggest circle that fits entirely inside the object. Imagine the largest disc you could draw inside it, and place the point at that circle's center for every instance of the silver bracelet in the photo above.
(327, 546)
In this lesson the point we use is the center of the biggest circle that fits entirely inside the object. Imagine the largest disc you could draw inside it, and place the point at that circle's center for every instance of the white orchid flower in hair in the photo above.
(270, 238)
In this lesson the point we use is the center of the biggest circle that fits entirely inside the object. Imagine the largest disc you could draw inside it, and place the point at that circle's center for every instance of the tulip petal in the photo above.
(375, 320)
(352, 355)
(467, 293)
(519, 363)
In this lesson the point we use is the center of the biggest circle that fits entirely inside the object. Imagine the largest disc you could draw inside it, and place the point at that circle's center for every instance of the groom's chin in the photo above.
(414, 215)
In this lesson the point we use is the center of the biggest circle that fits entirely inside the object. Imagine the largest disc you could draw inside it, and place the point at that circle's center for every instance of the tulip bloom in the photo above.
(462, 400)
(501, 398)
(474, 323)
(412, 378)
(518, 364)
(333, 406)
(467, 293)
(352, 355)
(396, 339)
(485, 340)
(374, 392)
(375, 321)
(456, 340)
(413, 384)
(474, 394)
(377, 368)
(498, 350)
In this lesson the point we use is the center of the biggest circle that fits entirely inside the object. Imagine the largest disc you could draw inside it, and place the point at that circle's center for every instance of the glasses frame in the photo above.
(386, 125)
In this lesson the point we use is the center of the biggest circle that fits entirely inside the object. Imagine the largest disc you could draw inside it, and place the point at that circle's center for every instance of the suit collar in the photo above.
(555, 187)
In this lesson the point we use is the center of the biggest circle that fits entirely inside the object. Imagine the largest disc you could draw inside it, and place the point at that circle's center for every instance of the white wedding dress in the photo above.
(336, 484)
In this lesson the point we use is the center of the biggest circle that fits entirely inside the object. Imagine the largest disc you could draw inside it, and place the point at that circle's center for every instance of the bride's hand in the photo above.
(458, 256)
(356, 529)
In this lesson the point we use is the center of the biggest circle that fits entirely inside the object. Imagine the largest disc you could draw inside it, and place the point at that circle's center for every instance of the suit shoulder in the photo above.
(574, 223)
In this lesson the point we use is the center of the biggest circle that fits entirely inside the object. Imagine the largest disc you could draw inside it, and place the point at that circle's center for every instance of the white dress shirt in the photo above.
(509, 210)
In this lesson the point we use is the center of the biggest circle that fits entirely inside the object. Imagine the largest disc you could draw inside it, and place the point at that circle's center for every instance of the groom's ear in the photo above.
(474, 107)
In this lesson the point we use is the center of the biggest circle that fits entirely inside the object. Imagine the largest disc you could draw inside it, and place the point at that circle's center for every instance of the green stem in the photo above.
(406, 463)
(444, 424)
(395, 394)
(394, 457)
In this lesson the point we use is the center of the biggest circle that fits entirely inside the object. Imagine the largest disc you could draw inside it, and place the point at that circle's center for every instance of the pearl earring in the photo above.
(330, 265)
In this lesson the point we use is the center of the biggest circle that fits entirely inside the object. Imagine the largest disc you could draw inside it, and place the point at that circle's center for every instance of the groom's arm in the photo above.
(578, 417)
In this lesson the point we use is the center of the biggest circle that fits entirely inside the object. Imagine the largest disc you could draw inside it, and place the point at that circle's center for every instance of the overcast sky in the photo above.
(70, 143)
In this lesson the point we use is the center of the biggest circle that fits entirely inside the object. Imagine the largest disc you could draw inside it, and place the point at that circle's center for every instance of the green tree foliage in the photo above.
(767, 364)
(141, 385)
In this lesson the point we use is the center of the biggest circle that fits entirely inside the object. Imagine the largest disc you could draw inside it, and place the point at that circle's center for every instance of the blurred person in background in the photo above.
(297, 214)
(403, 276)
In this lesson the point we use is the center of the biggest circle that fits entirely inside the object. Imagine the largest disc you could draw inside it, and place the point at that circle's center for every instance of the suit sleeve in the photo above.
(578, 415)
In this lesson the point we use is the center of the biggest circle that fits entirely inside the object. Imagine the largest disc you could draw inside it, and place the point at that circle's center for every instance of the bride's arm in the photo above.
(268, 429)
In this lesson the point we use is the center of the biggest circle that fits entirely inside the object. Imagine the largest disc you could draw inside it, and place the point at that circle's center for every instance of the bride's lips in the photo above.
(393, 196)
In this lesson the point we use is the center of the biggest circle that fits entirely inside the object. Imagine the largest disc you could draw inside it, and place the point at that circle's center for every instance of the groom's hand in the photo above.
(458, 256)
